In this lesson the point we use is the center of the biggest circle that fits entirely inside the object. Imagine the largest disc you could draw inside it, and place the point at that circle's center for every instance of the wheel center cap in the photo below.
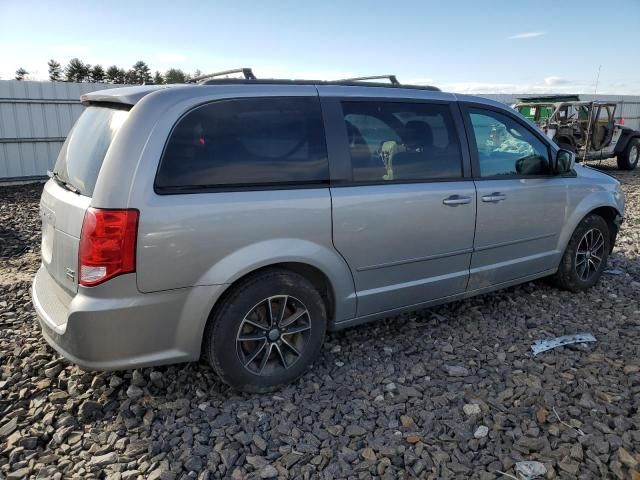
(588, 255)
(274, 334)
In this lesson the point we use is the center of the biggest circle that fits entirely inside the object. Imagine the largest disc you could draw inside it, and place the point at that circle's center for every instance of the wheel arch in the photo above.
(319, 263)
(565, 139)
(625, 137)
(313, 274)
(605, 210)
(609, 214)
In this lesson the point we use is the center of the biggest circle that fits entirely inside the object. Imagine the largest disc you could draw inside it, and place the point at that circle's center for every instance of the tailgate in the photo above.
(62, 213)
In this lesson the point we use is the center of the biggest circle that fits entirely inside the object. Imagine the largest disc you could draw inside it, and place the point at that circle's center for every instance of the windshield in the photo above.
(86, 146)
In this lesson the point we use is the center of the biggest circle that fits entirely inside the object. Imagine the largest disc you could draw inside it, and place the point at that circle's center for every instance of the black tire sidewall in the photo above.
(636, 142)
(226, 321)
(624, 160)
(567, 275)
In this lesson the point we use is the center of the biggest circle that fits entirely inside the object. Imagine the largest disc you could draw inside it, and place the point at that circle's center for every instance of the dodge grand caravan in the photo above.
(239, 220)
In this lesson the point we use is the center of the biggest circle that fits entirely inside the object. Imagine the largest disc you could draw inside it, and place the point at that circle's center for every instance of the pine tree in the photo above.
(21, 73)
(174, 75)
(115, 75)
(157, 78)
(141, 72)
(77, 71)
(55, 71)
(97, 74)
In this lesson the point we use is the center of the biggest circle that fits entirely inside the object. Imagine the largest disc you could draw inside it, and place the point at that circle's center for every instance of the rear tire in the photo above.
(628, 159)
(585, 257)
(252, 342)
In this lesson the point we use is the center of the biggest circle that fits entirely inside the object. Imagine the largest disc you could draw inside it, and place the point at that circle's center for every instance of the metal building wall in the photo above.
(35, 118)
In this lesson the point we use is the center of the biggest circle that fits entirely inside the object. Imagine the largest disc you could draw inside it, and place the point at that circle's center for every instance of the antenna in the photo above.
(587, 145)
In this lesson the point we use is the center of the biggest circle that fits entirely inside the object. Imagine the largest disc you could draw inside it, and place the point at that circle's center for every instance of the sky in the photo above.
(483, 46)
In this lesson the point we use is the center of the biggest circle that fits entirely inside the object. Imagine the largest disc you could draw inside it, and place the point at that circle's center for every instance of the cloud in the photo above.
(547, 85)
(521, 36)
(551, 81)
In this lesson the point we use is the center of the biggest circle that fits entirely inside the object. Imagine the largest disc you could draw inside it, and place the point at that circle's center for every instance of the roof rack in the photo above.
(392, 79)
(250, 78)
(247, 72)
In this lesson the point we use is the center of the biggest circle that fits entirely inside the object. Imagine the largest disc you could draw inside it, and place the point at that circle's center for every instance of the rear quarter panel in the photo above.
(214, 238)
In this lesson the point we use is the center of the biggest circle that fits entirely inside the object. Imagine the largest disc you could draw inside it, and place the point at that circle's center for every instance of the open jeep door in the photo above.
(602, 125)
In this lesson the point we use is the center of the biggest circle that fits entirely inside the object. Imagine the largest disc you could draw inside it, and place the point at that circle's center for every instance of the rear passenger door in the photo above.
(402, 199)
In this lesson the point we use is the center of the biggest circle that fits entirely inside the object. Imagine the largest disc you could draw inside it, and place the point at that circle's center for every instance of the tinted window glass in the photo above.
(505, 147)
(247, 142)
(401, 141)
(86, 145)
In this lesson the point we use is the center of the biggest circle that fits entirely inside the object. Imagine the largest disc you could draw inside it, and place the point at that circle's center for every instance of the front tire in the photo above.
(266, 331)
(628, 159)
(585, 257)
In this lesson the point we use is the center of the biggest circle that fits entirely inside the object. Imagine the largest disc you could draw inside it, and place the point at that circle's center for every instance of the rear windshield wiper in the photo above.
(62, 183)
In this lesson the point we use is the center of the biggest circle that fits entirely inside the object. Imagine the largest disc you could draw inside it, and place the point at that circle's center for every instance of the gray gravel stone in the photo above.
(268, 471)
(456, 371)
(134, 392)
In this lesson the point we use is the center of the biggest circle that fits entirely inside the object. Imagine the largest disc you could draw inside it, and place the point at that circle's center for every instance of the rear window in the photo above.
(246, 142)
(86, 145)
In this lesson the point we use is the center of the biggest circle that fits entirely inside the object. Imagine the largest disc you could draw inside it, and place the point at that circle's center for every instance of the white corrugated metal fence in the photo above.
(35, 118)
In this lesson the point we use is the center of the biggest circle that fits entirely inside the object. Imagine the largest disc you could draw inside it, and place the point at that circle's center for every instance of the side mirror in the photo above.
(564, 161)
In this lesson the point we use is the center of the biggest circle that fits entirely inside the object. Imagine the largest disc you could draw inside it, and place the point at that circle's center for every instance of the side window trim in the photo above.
(340, 169)
(473, 147)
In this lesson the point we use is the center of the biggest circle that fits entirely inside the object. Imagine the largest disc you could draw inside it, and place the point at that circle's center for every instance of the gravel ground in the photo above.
(451, 392)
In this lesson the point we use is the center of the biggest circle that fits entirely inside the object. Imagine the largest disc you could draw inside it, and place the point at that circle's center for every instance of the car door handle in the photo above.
(495, 197)
(455, 200)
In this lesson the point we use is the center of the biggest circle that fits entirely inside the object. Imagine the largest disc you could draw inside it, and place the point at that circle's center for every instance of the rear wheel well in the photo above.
(566, 140)
(609, 214)
(314, 275)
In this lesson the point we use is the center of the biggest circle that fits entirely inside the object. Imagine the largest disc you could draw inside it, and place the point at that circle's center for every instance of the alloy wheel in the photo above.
(589, 254)
(273, 335)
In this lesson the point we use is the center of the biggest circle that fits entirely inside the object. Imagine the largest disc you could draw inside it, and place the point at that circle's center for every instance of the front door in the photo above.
(603, 126)
(521, 204)
(404, 216)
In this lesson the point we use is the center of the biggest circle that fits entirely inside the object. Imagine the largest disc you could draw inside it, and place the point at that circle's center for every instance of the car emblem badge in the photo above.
(70, 273)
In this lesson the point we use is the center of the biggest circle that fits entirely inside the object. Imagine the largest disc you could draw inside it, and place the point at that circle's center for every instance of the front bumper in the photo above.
(114, 326)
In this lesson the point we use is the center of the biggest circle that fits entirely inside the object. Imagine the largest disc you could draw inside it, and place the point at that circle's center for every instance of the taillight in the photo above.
(107, 245)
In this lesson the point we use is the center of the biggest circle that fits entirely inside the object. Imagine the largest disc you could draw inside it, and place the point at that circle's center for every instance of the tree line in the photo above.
(140, 73)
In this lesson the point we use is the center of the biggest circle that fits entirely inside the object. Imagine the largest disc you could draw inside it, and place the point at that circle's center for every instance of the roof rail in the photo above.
(392, 79)
(247, 72)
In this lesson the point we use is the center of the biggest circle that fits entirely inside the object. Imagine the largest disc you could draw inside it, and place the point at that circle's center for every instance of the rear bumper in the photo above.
(115, 327)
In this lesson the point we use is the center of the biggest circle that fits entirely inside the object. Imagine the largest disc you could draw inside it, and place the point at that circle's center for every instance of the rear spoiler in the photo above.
(124, 95)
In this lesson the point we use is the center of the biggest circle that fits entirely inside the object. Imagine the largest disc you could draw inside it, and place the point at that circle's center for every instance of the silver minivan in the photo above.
(239, 220)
